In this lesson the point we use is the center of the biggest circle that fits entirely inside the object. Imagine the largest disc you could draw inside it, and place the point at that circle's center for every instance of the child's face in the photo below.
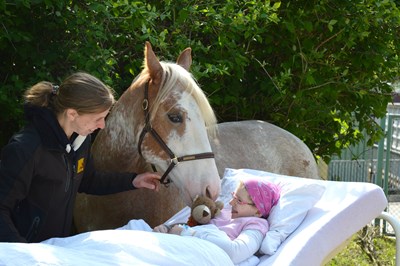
(242, 205)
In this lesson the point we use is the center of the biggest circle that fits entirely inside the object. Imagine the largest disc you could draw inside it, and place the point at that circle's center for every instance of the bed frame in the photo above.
(395, 223)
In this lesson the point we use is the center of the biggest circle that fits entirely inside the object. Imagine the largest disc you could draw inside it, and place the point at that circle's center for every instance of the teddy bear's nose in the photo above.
(206, 213)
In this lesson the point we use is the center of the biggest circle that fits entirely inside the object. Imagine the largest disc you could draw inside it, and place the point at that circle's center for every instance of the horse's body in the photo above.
(263, 146)
(181, 121)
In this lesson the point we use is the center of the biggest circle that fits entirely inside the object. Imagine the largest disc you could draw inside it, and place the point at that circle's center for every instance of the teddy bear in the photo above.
(203, 210)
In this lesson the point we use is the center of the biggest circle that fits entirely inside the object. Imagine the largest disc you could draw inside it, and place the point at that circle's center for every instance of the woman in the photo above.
(238, 230)
(45, 164)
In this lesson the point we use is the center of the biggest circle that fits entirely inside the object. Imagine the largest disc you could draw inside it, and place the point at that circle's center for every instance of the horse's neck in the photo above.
(115, 147)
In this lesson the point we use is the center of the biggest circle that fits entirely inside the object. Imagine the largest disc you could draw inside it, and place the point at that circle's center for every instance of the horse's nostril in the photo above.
(208, 193)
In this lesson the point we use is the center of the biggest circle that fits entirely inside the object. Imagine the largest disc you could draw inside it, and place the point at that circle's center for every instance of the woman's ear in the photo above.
(71, 114)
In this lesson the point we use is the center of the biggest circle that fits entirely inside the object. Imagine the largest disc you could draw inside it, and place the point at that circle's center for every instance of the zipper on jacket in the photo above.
(69, 183)
(69, 174)
(33, 229)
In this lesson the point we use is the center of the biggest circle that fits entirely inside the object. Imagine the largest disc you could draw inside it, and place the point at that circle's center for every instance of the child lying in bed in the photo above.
(238, 230)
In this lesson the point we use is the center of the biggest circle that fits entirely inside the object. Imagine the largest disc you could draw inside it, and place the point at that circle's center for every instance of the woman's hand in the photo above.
(149, 180)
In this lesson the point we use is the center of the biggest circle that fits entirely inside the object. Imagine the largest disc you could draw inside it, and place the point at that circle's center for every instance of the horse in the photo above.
(164, 121)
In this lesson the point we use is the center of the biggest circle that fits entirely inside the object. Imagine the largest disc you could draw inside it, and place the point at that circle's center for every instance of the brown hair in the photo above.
(80, 91)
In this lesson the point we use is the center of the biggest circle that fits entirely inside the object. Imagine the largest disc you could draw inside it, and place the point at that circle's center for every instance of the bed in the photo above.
(312, 221)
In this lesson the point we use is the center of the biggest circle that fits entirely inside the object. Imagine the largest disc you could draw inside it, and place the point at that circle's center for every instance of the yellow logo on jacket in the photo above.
(81, 165)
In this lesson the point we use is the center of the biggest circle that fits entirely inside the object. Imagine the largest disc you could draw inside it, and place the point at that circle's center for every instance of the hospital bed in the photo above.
(312, 221)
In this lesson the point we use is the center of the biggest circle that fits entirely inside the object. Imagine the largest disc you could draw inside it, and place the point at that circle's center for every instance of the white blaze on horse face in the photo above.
(195, 177)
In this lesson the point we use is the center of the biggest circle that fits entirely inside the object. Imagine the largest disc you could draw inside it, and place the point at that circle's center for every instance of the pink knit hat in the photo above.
(265, 195)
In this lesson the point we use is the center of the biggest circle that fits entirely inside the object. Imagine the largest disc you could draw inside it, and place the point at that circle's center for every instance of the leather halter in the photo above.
(173, 159)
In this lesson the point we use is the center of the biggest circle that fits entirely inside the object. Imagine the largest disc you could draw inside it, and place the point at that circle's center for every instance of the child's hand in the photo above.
(176, 229)
(162, 228)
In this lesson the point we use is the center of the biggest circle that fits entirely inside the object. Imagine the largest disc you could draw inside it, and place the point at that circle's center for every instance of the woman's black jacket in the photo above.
(39, 180)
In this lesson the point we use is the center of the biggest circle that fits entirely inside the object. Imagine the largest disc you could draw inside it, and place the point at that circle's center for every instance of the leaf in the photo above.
(276, 5)
(331, 23)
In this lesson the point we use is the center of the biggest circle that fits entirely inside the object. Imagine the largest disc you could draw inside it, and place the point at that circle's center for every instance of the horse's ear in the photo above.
(185, 58)
(152, 63)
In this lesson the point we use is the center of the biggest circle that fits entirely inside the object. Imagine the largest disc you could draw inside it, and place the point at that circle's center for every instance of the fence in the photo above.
(377, 164)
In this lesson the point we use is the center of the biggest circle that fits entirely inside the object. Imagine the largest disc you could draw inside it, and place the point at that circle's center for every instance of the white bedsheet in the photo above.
(115, 247)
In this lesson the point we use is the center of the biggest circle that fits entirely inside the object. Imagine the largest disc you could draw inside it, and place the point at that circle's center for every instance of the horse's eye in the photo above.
(175, 118)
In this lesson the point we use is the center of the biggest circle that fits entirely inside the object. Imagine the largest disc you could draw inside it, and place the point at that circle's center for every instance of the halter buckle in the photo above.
(175, 160)
(145, 104)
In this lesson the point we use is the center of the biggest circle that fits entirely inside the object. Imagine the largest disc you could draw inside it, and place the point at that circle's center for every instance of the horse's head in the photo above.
(173, 130)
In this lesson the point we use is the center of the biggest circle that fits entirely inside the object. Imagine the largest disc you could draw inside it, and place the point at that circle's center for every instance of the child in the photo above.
(238, 230)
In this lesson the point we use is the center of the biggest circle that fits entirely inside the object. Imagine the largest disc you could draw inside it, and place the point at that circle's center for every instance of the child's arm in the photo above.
(239, 249)
(179, 218)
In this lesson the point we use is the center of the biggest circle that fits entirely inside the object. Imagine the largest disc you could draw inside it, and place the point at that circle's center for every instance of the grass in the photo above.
(367, 248)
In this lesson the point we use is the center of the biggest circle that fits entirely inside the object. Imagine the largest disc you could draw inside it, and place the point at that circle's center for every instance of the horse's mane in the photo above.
(174, 74)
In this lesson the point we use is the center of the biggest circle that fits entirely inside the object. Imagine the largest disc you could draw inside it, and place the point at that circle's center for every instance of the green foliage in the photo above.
(316, 68)
(339, 59)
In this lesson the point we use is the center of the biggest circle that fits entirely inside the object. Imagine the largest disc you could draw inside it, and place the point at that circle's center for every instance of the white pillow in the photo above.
(298, 196)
